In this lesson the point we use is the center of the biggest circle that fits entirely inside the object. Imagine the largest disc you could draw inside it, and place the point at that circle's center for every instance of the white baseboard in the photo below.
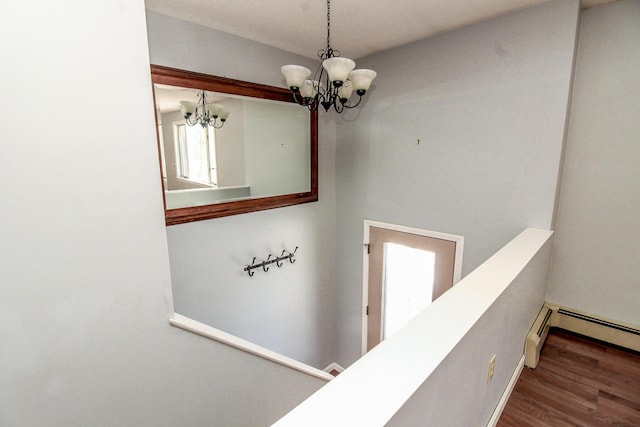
(507, 393)
(333, 367)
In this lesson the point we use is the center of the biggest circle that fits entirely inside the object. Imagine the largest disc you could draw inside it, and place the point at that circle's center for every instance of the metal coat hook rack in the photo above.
(270, 260)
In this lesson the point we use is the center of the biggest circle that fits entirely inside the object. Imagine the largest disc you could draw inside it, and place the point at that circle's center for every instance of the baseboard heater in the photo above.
(607, 330)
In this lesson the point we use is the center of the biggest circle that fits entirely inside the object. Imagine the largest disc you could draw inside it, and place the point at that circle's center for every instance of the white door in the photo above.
(406, 272)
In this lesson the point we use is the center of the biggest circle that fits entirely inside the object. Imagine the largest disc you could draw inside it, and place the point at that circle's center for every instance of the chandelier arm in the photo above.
(298, 100)
(338, 106)
(310, 103)
(349, 105)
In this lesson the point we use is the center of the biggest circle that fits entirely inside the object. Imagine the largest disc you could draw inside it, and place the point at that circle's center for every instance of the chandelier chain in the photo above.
(328, 24)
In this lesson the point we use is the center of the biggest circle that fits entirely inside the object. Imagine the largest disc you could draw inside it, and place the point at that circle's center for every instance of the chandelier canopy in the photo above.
(204, 114)
(334, 81)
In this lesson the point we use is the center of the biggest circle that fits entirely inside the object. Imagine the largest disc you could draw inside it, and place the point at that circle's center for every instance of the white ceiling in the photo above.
(358, 27)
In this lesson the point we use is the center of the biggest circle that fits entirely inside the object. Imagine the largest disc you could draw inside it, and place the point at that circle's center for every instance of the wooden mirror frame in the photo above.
(189, 79)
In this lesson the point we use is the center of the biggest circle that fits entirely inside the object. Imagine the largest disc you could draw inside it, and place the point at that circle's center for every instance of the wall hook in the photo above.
(270, 260)
(248, 268)
(291, 255)
(264, 264)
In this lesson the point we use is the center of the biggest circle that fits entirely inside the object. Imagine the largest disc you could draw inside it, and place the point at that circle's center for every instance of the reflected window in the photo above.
(196, 154)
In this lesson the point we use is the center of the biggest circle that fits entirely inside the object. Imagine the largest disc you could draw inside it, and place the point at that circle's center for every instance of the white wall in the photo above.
(207, 258)
(84, 276)
(488, 103)
(597, 246)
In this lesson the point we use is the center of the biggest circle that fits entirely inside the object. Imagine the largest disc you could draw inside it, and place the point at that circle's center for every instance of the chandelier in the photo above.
(334, 81)
(202, 113)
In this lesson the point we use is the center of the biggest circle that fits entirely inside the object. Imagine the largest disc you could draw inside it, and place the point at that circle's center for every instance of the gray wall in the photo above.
(290, 309)
(595, 262)
(230, 149)
(277, 148)
(84, 276)
(488, 103)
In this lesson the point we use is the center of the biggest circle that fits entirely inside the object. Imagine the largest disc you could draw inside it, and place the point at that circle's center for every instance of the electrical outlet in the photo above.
(492, 368)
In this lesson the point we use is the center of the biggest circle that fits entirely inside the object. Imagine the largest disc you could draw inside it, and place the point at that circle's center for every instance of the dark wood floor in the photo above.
(578, 382)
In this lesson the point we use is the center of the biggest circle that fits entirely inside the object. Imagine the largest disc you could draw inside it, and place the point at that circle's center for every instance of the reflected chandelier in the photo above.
(203, 114)
(333, 82)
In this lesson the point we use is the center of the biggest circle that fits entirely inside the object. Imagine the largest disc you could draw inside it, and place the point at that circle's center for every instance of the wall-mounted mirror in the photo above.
(263, 156)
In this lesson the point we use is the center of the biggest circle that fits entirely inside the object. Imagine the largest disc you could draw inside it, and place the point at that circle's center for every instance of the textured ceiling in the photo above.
(358, 27)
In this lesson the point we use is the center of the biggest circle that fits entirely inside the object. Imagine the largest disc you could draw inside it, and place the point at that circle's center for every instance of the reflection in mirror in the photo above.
(262, 156)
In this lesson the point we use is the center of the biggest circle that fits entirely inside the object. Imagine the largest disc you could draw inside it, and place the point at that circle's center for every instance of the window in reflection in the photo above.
(196, 154)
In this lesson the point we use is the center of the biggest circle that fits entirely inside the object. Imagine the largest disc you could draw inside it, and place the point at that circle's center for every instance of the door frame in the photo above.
(457, 263)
